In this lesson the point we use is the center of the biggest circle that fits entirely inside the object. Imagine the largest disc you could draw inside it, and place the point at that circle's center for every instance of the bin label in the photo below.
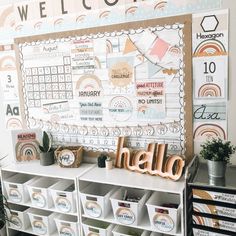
(163, 222)
(39, 227)
(93, 209)
(125, 216)
(63, 204)
(66, 231)
(15, 195)
(38, 200)
(15, 222)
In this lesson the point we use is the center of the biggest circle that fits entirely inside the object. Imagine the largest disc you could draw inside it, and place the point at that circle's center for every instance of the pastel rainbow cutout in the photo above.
(160, 5)
(109, 46)
(27, 151)
(175, 50)
(131, 10)
(89, 82)
(38, 25)
(207, 131)
(104, 14)
(80, 18)
(97, 63)
(7, 63)
(210, 48)
(14, 123)
(7, 17)
(18, 28)
(209, 90)
(58, 21)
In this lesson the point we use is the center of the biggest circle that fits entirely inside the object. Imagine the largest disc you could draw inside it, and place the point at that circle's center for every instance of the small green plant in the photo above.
(217, 150)
(3, 210)
(47, 143)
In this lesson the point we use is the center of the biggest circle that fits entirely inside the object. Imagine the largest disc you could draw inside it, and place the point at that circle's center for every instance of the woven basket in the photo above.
(62, 153)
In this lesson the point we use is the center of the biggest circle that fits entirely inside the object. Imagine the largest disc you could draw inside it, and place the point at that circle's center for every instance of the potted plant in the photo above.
(47, 152)
(217, 153)
(3, 213)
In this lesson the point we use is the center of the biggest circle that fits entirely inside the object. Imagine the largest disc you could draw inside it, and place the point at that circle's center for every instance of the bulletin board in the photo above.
(92, 85)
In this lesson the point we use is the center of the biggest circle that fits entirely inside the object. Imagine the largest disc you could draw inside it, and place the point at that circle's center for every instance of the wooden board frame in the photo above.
(187, 58)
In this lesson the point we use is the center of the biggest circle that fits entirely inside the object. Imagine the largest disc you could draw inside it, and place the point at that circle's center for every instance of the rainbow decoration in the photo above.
(38, 25)
(206, 131)
(7, 63)
(131, 10)
(104, 14)
(209, 90)
(109, 46)
(160, 5)
(175, 50)
(26, 151)
(58, 21)
(80, 18)
(209, 48)
(14, 123)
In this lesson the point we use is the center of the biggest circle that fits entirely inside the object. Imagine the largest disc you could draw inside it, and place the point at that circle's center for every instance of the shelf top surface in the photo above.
(34, 168)
(123, 177)
(202, 179)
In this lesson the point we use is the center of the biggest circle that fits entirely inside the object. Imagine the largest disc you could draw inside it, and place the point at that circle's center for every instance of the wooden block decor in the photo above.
(69, 157)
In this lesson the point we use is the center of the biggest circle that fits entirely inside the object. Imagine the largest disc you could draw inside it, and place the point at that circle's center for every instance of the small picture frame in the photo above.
(26, 145)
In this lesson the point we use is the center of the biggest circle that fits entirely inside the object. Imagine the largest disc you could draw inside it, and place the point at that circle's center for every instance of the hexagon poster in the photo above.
(92, 85)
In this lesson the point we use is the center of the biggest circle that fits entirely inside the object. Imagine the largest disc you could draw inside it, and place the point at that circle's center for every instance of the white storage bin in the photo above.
(42, 222)
(164, 219)
(126, 211)
(98, 228)
(16, 187)
(63, 194)
(17, 217)
(120, 230)
(95, 199)
(39, 193)
(67, 225)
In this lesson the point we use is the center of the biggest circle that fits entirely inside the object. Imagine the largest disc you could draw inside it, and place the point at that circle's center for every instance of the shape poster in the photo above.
(210, 74)
(98, 84)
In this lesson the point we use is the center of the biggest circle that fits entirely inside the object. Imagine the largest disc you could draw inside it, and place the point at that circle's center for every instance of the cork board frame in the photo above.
(186, 20)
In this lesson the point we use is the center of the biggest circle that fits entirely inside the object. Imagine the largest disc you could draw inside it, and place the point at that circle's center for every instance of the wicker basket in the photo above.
(69, 157)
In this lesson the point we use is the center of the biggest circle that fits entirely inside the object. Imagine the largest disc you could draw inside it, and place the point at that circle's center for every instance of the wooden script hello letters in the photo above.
(151, 161)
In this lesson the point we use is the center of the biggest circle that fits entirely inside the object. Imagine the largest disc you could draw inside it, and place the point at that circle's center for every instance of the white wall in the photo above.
(5, 144)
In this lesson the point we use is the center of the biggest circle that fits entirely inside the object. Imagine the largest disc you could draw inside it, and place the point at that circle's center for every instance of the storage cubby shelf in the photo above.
(122, 177)
(145, 225)
(54, 171)
(53, 209)
(30, 231)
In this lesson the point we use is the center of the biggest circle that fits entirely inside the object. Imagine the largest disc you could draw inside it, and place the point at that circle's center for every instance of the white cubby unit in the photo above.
(150, 204)
(44, 199)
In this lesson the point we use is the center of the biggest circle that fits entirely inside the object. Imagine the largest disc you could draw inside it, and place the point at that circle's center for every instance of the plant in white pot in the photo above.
(47, 152)
(217, 153)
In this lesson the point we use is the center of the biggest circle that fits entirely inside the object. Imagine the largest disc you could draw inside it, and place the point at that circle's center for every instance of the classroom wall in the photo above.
(5, 140)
